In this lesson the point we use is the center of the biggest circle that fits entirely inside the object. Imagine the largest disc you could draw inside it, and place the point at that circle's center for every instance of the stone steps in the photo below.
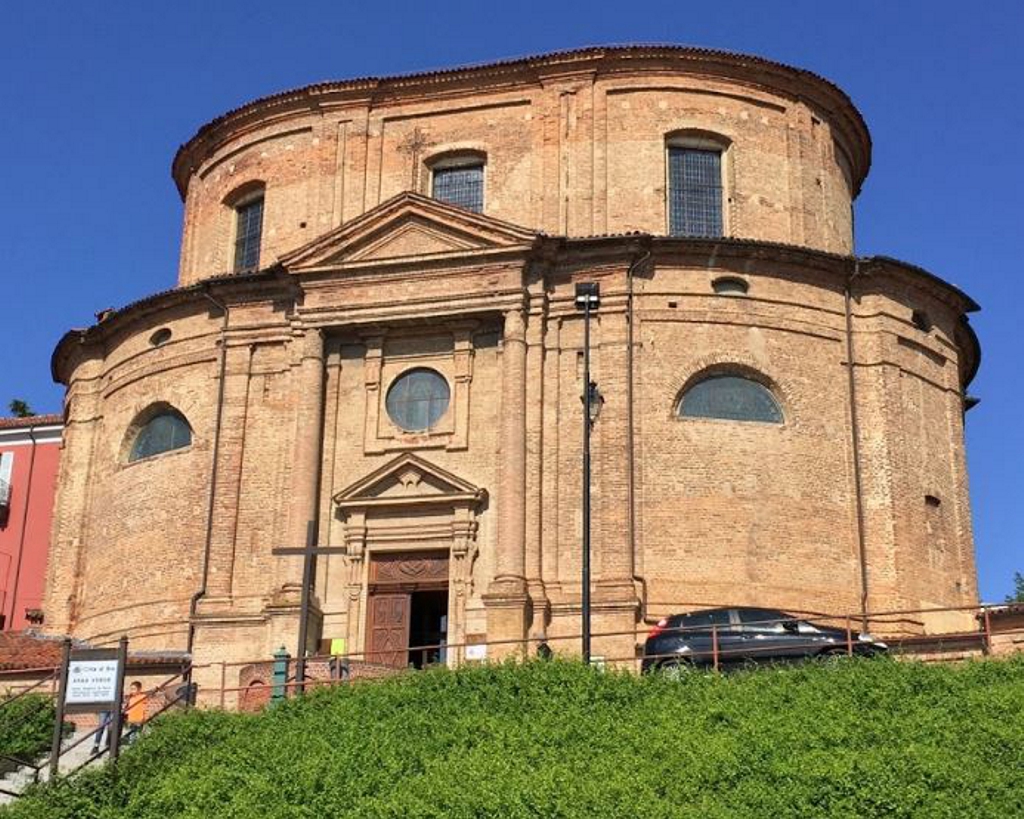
(21, 778)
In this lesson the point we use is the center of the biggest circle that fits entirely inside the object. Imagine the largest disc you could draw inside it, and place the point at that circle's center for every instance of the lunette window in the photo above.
(732, 398)
(248, 233)
(694, 191)
(461, 185)
(418, 399)
(164, 432)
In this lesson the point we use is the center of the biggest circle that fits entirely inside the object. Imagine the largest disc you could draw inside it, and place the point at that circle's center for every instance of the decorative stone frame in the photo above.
(380, 433)
(409, 484)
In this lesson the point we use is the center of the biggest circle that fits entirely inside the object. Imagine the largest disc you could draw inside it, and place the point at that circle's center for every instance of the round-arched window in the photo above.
(166, 431)
(731, 397)
(417, 399)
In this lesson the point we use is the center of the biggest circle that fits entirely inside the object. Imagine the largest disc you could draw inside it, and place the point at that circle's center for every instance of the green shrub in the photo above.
(555, 739)
(26, 727)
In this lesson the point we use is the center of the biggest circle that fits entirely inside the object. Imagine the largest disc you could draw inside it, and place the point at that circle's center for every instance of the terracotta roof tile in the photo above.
(31, 421)
(21, 650)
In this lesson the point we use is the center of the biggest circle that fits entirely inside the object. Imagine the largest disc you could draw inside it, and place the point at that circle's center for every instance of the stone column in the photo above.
(229, 466)
(610, 438)
(534, 473)
(506, 599)
(615, 606)
(308, 379)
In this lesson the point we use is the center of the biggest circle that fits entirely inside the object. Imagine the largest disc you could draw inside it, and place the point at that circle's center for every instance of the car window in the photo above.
(762, 621)
(706, 619)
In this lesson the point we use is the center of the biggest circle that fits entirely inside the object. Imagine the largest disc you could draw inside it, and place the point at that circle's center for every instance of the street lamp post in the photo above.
(588, 299)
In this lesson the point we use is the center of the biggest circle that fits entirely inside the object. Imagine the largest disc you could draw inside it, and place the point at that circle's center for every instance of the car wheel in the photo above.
(676, 669)
(833, 655)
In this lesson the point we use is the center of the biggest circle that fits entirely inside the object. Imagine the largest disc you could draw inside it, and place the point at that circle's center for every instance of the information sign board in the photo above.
(92, 681)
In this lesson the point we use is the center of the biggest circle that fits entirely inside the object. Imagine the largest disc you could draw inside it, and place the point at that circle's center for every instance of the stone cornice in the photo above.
(550, 251)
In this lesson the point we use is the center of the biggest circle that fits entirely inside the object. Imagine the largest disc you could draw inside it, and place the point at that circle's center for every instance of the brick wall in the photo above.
(686, 511)
(572, 151)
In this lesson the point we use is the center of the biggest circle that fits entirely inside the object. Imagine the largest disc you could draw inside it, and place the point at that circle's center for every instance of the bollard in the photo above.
(280, 676)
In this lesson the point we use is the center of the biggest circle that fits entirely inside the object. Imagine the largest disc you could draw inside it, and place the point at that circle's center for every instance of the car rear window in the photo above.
(706, 619)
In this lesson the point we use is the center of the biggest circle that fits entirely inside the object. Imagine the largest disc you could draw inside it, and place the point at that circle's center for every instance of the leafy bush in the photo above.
(556, 739)
(26, 727)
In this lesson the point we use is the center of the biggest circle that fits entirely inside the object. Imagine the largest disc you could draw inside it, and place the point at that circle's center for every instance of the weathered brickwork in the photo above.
(856, 501)
(574, 147)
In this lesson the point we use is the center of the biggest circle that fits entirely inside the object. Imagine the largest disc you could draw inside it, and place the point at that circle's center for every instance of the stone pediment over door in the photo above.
(409, 481)
(410, 500)
(408, 227)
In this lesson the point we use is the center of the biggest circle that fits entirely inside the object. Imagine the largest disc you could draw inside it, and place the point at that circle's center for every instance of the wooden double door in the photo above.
(407, 608)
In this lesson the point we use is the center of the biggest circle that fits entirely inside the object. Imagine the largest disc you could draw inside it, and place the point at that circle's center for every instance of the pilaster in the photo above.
(506, 599)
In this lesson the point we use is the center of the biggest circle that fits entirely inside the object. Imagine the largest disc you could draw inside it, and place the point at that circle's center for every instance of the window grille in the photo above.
(732, 398)
(248, 234)
(695, 192)
(462, 185)
(418, 399)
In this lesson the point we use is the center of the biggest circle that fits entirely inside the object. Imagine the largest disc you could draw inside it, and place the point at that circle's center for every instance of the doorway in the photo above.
(428, 627)
(407, 611)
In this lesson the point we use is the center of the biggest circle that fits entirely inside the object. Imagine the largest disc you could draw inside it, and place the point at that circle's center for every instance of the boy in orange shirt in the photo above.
(135, 710)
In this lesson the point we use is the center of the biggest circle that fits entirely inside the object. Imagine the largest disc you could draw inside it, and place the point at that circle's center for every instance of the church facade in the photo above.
(373, 347)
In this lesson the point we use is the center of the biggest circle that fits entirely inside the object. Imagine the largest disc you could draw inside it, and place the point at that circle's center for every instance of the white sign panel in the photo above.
(91, 681)
(476, 652)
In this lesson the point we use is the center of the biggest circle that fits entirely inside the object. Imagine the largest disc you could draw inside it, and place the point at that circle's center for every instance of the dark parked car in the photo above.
(746, 636)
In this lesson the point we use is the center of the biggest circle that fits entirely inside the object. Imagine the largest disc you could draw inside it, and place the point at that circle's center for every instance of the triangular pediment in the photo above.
(408, 226)
(406, 480)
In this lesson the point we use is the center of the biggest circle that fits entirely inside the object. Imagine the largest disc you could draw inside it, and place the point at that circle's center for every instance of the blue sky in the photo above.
(97, 97)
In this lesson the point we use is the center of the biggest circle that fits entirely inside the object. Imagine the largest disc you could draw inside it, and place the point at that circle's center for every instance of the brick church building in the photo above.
(373, 346)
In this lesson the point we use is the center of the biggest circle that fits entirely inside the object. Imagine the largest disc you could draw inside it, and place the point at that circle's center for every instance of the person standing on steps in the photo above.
(135, 710)
(102, 736)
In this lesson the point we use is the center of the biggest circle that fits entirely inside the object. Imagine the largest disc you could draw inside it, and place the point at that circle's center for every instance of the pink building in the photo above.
(29, 456)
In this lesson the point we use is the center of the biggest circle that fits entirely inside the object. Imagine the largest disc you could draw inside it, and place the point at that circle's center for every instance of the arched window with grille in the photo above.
(458, 179)
(163, 430)
(730, 397)
(246, 204)
(695, 184)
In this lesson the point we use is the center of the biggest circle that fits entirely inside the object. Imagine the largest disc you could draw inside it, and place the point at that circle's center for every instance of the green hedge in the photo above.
(872, 738)
(26, 727)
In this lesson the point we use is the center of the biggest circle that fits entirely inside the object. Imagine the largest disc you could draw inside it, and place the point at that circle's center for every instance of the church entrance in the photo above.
(407, 608)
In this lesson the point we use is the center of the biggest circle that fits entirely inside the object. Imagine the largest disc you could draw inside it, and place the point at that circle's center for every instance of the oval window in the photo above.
(161, 336)
(417, 399)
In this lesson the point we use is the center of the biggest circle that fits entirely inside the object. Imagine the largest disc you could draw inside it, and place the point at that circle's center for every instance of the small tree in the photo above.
(20, 409)
(1018, 589)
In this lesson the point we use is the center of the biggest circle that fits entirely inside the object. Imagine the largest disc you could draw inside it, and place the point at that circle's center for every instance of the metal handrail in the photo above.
(5, 702)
